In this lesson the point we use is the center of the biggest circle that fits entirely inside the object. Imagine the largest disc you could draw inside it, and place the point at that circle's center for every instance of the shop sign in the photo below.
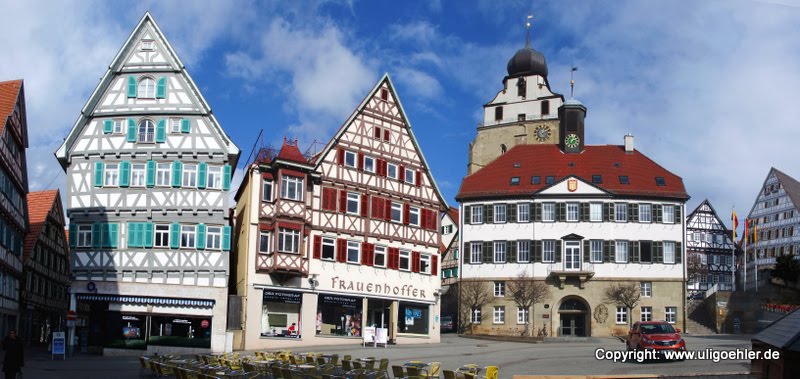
(342, 301)
(407, 290)
(282, 297)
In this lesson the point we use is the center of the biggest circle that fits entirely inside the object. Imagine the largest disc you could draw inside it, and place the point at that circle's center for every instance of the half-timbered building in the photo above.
(14, 187)
(449, 263)
(347, 239)
(44, 297)
(709, 250)
(148, 170)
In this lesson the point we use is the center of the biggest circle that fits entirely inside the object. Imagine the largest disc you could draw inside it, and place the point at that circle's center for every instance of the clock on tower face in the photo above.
(572, 140)
(542, 133)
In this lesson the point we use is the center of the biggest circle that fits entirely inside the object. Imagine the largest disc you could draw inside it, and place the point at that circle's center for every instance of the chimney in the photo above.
(629, 143)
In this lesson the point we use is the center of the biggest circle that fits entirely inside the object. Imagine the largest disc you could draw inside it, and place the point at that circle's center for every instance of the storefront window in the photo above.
(339, 315)
(180, 331)
(280, 314)
(125, 331)
(413, 318)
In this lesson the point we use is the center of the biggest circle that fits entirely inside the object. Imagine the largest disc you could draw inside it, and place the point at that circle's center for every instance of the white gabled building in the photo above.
(709, 251)
(148, 169)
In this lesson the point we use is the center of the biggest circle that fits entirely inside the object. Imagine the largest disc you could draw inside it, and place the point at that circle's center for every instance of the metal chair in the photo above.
(433, 371)
(398, 372)
(448, 374)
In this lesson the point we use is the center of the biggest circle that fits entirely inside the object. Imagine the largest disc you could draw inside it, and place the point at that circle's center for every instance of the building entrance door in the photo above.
(572, 313)
(572, 255)
(378, 313)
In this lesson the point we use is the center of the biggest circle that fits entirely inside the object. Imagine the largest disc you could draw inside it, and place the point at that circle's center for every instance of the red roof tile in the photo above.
(290, 152)
(453, 213)
(9, 92)
(39, 205)
(610, 161)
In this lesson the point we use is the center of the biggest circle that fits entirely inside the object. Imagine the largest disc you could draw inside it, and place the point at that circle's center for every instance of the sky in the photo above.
(708, 88)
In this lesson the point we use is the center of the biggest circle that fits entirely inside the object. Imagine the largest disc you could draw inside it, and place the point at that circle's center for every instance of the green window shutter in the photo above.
(132, 86)
(537, 251)
(537, 212)
(202, 173)
(148, 230)
(584, 217)
(467, 215)
(73, 235)
(488, 252)
(678, 252)
(562, 211)
(150, 178)
(133, 234)
(98, 174)
(131, 135)
(226, 238)
(161, 88)
(634, 256)
(678, 214)
(610, 250)
(226, 177)
(609, 215)
(124, 173)
(161, 130)
(656, 213)
(511, 213)
(108, 126)
(587, 253)
(97, 235)
(558, 251)
(511, 250)
(176, 174)
(488, 214)
(175, 235)
(633, 212)
(186, 127)
(658, 252)
(113, 234)
(200, 237)
(105, 239)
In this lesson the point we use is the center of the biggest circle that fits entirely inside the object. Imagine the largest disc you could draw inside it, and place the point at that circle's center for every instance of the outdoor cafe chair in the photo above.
(492, 372)
(449, 374)
(346, 364)
(398, 372)
(357, 365)
(433, 371)
(413, 372)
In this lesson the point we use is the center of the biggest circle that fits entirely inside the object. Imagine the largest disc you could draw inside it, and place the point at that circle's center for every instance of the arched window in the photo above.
(503, 148)
(146, 131)
(147, 88)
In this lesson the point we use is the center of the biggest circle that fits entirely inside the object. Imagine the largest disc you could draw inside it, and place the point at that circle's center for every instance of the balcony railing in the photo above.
(282, 263)
(561, 271)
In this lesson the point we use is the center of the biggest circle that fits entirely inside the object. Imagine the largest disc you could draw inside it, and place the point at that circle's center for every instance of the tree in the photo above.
(474, 295)
(787, 268)
(626, 294)
(526, 292)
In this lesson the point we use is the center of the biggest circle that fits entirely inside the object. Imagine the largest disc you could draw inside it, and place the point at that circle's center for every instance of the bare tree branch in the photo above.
(626, 294)
(474, 295)
(526, 292)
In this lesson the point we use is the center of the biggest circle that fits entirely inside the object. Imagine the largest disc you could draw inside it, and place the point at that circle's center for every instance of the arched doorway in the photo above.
(574, 317)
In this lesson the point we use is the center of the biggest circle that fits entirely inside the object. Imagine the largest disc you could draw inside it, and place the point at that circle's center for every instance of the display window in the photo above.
(339, 315)
(125, 331)
(280, 314)
(180, 331)
(413, 318)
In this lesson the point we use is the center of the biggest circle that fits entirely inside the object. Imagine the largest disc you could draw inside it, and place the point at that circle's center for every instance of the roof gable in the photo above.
(572, 185)
(11, 93)
(41, 204)
(787, 183)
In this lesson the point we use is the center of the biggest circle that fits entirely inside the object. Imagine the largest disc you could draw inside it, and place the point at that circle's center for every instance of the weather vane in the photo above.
(572, 81)
(528, 28)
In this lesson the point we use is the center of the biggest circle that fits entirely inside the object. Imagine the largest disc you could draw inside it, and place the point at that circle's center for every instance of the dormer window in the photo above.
(148, 45)
(660, 181)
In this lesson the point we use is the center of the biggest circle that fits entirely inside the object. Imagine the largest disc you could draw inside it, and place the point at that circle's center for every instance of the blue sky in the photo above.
(708, 88)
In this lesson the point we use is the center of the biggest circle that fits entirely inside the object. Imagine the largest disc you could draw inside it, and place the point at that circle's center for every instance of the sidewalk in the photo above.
(39, 365)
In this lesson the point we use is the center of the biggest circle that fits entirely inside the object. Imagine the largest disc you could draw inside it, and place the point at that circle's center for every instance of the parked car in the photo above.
(447, 324)
(695, 296)
(655, 335)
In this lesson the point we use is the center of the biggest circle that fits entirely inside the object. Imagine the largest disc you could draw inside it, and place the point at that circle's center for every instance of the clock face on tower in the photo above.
(572, 140)
(542, 133)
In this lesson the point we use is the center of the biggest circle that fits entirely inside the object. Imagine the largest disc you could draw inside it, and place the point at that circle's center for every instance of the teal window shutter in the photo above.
(108, 126)
(226, 238)
(150, 178)
(131, 135)
(175, 235)
(73, 235)
(161, 130)
(185, 126)
(96, 234)
(105, 239)
(113, 231)
(98, 174)
(226, 178)
(176, 174)
(149, 228)
(200, 238)
(202, 173)
(132, 86)
(161, 88)
(132, 227)
(124, 173)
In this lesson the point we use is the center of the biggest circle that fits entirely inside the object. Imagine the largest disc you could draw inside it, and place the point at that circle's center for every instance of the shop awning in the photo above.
(200, 303)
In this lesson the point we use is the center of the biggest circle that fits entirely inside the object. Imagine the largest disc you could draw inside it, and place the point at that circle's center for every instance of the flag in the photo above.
(735, 224)
(746, 230)
(755, 233)
(574, 68)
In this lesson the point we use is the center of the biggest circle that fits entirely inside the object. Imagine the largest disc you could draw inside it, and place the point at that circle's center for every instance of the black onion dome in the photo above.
(527, 61)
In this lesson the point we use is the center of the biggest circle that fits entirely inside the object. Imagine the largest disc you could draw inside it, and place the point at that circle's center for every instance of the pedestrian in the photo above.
(14, 359)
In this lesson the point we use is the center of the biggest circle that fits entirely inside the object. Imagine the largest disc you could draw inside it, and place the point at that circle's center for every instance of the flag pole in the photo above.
(755, 240)
(733, 250)
(744, 259)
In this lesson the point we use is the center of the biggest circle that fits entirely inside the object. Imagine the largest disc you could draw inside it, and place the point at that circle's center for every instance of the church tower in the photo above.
(523, 112)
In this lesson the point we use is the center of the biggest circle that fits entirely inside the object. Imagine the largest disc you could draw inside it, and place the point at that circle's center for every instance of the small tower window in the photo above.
(521, 117)
(521, 87)
(147, 88)
(498, 113)
(545, 107)
(503, 148)
(384, 94)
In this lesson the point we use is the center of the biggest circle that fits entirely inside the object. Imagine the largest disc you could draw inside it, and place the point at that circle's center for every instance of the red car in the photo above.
(655, 335)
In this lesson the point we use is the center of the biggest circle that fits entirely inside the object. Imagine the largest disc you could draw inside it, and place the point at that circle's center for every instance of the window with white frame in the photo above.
(84, 236)
(174, 125)
(596, 212)
(291, 188)
(137, 174)
(118, 126)
(499, 213)
(573, 210)
(499, 289)
(214, 177)
(353, 252)
(477, 214)
(622, 315)
(352, 203)
(523, 251)
(350, 158)
(522, 315)
(146, 89)
(621, 212)
(669, 252)
(413, 216)
(647, 314)
(621, 255)
(670, 314)
(646, 289)
(391, 170)
(548, 211)
(189, 175)
(397, 211)
(288, 240)
(214, 238)
(548, 250)
(499, 314)
(523, 212)
(163, 174)
(266, 191)
(596, 250)
(645, 213)
(476, 252)
(263, 242)
(162, 235)
(499, 251)
(379, 256)
(475, 316)
(187, 236)
(111, 175)
(447, 229)
(668, 212)
(425, 263)
(328, 248)
(369, 164)
(147, 129)
(405, 260)
(147, 45)
(410, 176)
